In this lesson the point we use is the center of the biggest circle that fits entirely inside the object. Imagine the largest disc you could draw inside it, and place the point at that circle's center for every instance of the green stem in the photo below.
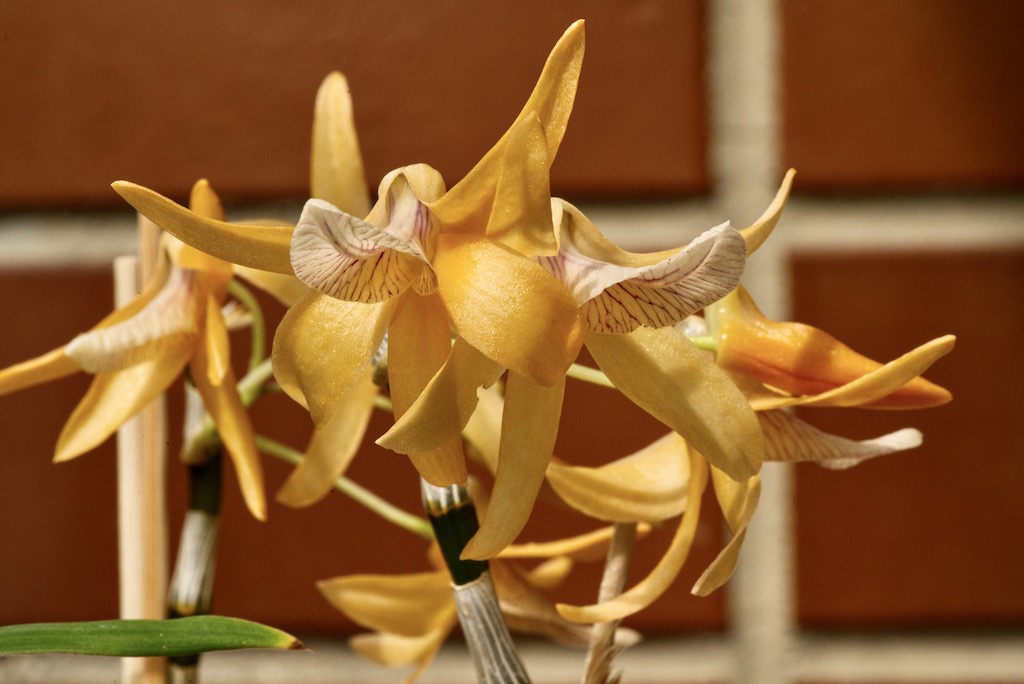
(706, 342)
(356, 492)
(258, 327)
(587, 374)
(251, 385)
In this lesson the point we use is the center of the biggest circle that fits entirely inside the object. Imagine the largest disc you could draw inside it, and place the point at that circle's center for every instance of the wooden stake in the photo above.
(141, 492)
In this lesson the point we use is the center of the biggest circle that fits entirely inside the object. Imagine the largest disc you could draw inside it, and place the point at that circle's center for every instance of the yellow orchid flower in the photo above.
(136, 352)
(627, 300)
(422, 262)
(412, 615)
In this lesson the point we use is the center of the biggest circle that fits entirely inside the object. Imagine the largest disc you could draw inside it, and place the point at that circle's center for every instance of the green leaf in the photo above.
(178, 637)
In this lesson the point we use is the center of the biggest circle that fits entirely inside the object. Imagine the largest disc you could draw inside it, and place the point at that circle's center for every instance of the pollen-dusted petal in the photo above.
(52, 365)
(409, 605)
(649, 485)
(534, 411)
(466, 206)
(444, 407)
(336, 166)
(323, 346)
(815, 367)
(347, 258)
(419, 343)
(508, 307)
(755, 234)
(738, 501)
(331, 448)
(665, 374)
(647, 590)
(112, 399)
(167, 325)
(521, 215)
(258, 246)
(789, 439)
(619, 291)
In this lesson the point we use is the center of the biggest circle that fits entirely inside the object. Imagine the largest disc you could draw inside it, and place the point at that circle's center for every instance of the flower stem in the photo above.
(453, 516)
(602, 649)
(588, 374)
(191, 586)
(357, 493)
(258, 328)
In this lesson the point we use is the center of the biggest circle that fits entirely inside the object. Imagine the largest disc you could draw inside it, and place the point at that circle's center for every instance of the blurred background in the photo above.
(903, 118)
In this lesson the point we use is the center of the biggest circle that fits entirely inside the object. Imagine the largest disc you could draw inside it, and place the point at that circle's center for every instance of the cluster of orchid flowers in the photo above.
(473, 303)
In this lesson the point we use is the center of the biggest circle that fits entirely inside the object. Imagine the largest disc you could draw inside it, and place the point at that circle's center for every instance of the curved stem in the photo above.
(357, 493)
(259, 331)
(602, 649)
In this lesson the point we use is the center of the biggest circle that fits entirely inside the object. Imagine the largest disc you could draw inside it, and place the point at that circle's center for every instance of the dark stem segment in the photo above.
(453, 517)
(191, 586)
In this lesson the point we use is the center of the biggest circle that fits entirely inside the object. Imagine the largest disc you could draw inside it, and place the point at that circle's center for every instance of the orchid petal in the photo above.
(738, 501)
(647, 590)
(258, 246)
(665, 374)
(619, 291)
(755, 234)
(332, 447)
(419, 342)
(286, 289)
(336, 167)
(586, 547)
(533, 410)
(217, 346)
(521, 215)
(508, 307)
(789, 439)
(52, 365)
(204, 201)
(649, 485)
(393, 650)
(445, 406)
(166, 326)
(225, 407)
(323, 346)
(528, 610)
(409, 605)
(469, 202)
(551, 573)
(806, 361)
(482, 433)
(895, 385)
(112, 399)
(348, 258)
(57, 364)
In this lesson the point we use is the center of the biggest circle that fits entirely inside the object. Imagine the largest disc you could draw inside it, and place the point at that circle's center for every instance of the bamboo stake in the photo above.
(141, 487)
